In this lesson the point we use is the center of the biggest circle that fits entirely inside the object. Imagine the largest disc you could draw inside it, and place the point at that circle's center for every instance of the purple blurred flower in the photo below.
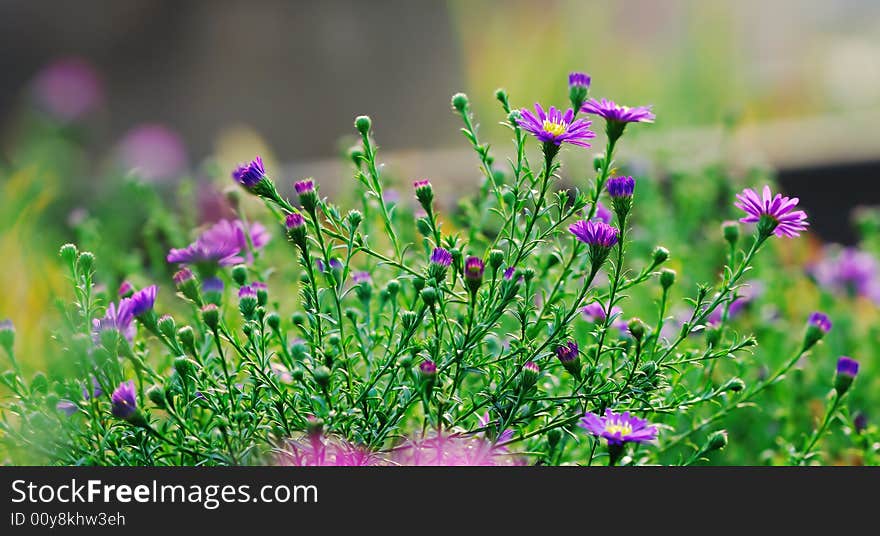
(613, 112)
(449, 449)
(320, 450)
(555, 127)
(361, 277)
(820, 321)
(775, 212)
(154, 151)
(603, 214)
(848, 271)
(182, 276)
(847, 366)
(143, 300)
(125, 289)
(212, 285)
(68, 89)
(618, 428)
(250, 174)
(503, 437)
(748, 293)
(508, 273)
(595, 312)
(304, 186)
(118, 317)
(221, 244)
(578, 80)
(124, 400)
(66, 407)
(247, 291)
(428, 368)
(568, 352)
(96, 390)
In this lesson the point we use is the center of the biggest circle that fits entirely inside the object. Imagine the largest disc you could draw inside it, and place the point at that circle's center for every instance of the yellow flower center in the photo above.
(618, 428)
(556, 129)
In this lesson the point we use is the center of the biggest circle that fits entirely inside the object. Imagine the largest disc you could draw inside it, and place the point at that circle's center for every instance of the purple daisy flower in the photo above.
(848, 271)
(555, 127)
(222, 244)
(247, 291)
(594, 233)
(595, 313)
(143, 300)
(616, 113)
(775, 213)
(294, 220)
(68, 89)
(442, 257)
(251, 174)
(618, 428)
(124, 400)
(304, 186)
(118, 317)
(603, 214)
(361, 277)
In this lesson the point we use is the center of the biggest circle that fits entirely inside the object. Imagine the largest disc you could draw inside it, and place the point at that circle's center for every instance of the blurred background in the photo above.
(97, 91)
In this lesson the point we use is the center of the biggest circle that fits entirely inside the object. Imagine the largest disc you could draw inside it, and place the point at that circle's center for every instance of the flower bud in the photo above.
(496, 257)
(529, 376)
(659, 255)
(667, 278)
(363, 123)
(424, 194)
(553, 437)
(569, 356)
(716, 441)
(7, 335)
(429, 296)
(598, 162)
(730, 230)
(473, 274)
(847, 369)
(322, 376)
(239, 274)
(459, 102)
(184, 366)
(734, 384)
(85, 262)
(637, 328)
(818, 325)
(354, 219)
(393, 287)
(298, 318)
(211, 316)
(273, 321)
(166, 326)
(68, 253)
(186, 338)
(157, 395)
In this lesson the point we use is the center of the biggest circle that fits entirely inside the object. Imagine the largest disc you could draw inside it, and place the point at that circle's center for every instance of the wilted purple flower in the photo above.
(251, 174)
(143, 300)
(820, 321)
(555, 127)
(124, 400)
(442, 257)
(619, 428)
(361, 277)
(68, 89)
(849, 271)
(66, 407)
(154, 151)
(613, 112)
(118, 317)
(775, 214)
(621, 186)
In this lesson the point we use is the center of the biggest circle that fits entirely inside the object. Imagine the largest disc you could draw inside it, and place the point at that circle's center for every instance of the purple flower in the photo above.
(361, 277)
(747, 294)
(621, 186)
(616, 113)
(221, 244)
(118, 317)
(421, 183)
(619, 428)
(555, 127)
(820, 321)
(485, 422)
(594, 233)
(142, 301)
(578, 80)
(154, 151)
(508, 273)
(68, 89)
(304, 186)
(259, 285)
(568, 352)
(124, 401)
(442, 257)
(96, 390)
(294, 220)
(473, 273)
(849, 271)
(247, 291)
(847, 366)
(212, 285)
(184, 275)
(66, 407)
(602, 213)
(428, 369)
(335, 264)
(774, 214)
(251, 174)
(595, 313)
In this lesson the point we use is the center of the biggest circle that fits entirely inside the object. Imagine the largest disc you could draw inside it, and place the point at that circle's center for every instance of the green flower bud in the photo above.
(393, 287)
(598, 162)
(239, 274)
(187, 339)
(496, 257)
(166, 326)
(730, 230)
(637, 328)
(211, 316)
(273, 321)
(184, 366)
(298, 318)
(429, 296)
(667, 278)
(460, 102)
(659, 255)
(716, 441)
(157, 395)
(354, 219)
(85, 262)
(68, 253)
(322, 376)
(553, 437)
(734, 384)
(363, 123)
